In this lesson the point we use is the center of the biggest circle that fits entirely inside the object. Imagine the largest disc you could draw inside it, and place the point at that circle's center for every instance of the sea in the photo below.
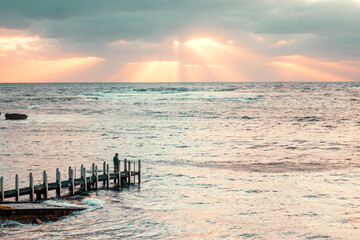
(219, 160)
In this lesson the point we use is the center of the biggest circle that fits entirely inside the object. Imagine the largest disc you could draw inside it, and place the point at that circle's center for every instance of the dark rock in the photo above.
(15, 116)
(246, 117)
(37, 221)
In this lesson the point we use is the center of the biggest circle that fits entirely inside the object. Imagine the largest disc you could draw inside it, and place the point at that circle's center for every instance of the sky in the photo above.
(179, 41)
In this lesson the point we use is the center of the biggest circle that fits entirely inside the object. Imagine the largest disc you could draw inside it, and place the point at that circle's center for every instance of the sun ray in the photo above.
(153, 71)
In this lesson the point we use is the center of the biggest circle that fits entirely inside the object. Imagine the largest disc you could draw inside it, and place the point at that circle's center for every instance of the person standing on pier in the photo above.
(116, 162)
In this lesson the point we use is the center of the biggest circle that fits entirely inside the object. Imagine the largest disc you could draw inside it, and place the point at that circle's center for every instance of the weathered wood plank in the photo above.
(2, 197)
(129, 172)
(85, 179)
(139, 170)
(58, 182)
(104, 172)
(108, 177)
(32, 192)
(17, 188)
(96, 177)
(72, 184)
(119, 175)
(46, 186)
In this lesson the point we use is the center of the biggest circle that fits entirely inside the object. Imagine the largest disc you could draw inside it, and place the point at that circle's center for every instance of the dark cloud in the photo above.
(84, 24)
(323, 18)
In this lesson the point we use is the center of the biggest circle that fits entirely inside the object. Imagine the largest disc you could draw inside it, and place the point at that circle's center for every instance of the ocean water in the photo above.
(219, 160)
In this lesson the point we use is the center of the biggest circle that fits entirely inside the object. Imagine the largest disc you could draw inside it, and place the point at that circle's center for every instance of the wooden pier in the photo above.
(87, 181)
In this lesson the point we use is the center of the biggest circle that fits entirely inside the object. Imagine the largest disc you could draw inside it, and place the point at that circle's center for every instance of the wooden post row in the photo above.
(94, 180)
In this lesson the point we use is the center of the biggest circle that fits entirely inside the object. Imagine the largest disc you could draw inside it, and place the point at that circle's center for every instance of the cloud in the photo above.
(144, 31)
(110, 20)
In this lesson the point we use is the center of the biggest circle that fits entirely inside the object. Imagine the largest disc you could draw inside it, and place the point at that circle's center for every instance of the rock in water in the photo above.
(15, 116)
(37, 221)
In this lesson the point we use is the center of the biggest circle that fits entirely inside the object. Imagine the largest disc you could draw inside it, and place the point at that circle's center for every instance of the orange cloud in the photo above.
(122, 42)
(10, 43)
(210, 60)
(284, 42)
(22, 59)
(300, 68)
(32, 70)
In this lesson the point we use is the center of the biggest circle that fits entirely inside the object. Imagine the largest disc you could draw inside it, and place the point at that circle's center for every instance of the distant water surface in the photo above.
(220, 160)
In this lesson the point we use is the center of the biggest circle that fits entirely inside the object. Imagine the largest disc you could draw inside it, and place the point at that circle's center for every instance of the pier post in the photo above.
(125, 170)
(85, 181)
(69, 173)
(38, 194)
(119, 175)
(134, 172)
(104, 172)
(92, 183)
(108, 177)
(46, 186)
(32, 192)
(17, 188)
(58, 181)
(72, 188)
(96, 177)
(2, 189)
(129, 171)
(139, 171)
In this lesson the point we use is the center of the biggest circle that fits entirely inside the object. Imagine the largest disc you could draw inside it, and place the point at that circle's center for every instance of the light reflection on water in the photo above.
(233, 161)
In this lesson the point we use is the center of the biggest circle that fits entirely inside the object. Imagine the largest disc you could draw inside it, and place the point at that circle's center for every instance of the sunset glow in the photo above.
(136, 47)
(12, 43)
(196, 60)
(44, 70)
(156, 71)
(307, 69)
(206, 59)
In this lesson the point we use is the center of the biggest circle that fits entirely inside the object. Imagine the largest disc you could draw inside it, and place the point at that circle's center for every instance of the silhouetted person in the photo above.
(116, 163)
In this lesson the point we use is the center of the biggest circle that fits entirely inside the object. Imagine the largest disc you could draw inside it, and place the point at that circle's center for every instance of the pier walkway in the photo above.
(87, 181)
